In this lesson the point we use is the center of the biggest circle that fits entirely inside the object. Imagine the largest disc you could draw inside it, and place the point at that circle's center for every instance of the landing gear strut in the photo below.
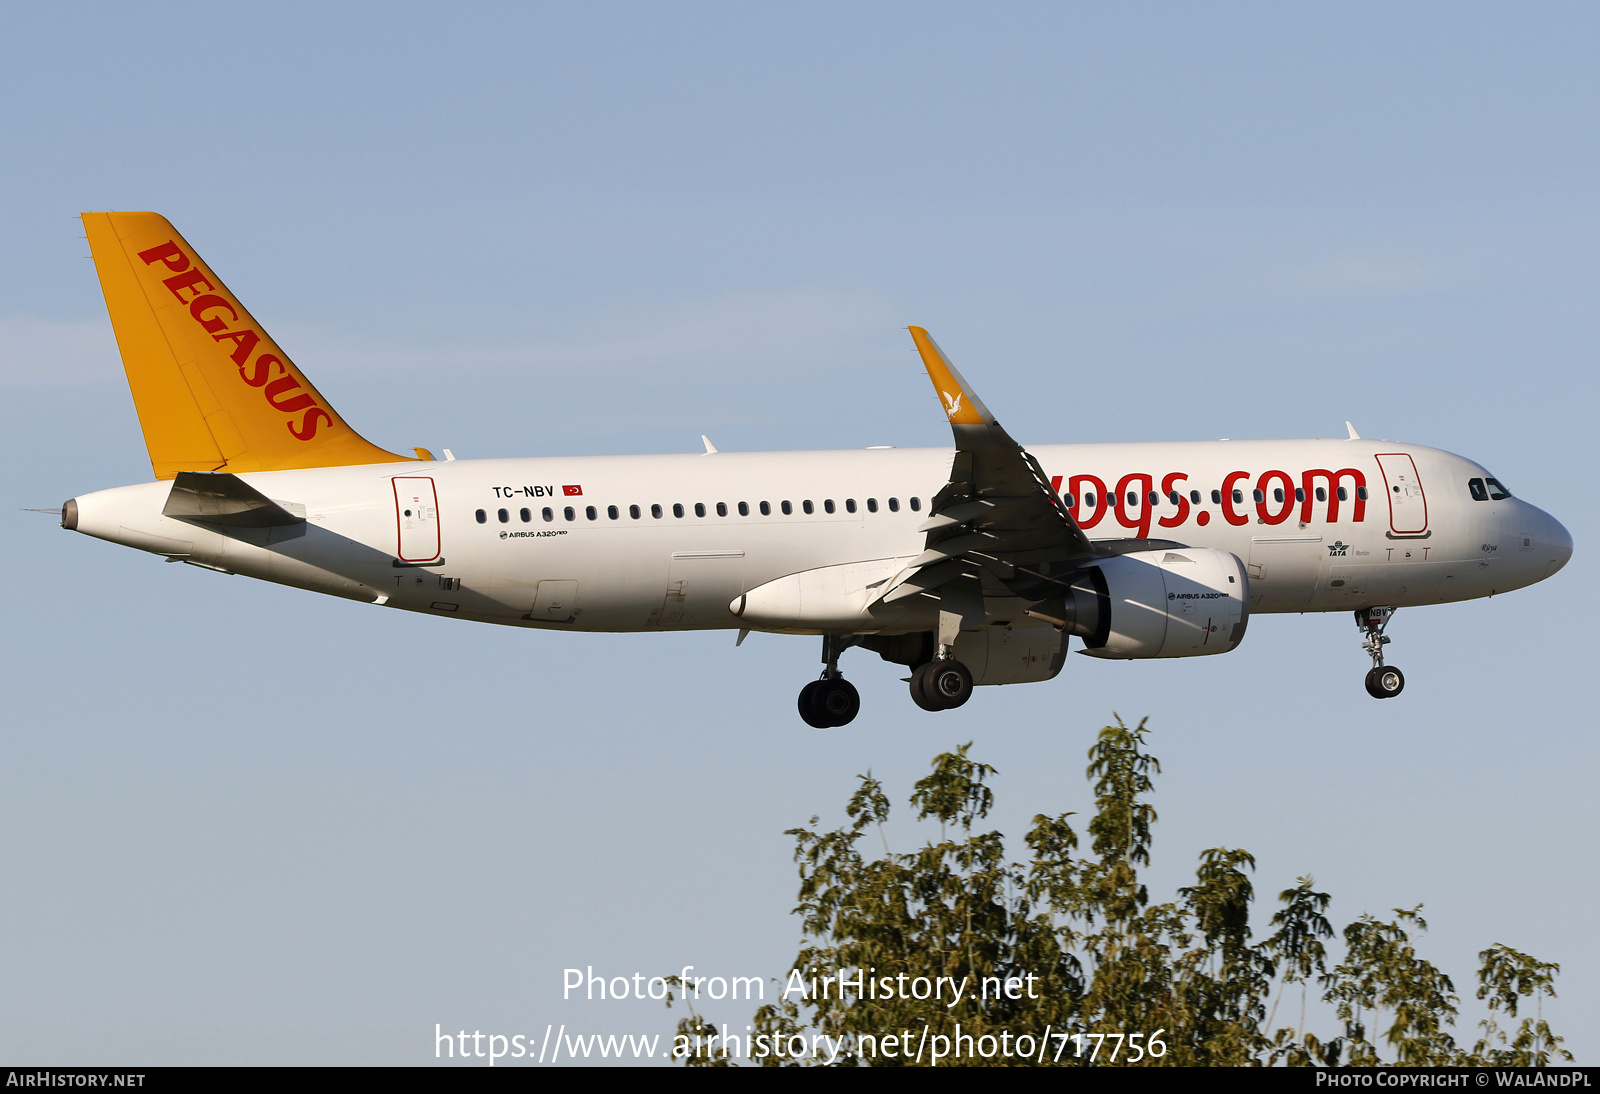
(831, 701)
(942, 684)
(1384, 681)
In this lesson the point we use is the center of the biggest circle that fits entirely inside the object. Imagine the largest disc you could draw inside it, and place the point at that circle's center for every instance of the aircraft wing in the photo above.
(997, 512)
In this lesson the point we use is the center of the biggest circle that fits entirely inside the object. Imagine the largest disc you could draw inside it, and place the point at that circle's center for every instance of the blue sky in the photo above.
(245, 823)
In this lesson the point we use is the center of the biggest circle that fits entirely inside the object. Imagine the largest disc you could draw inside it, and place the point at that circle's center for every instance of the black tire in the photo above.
(836, 701)
(919, 689)
(810, 712)
(1385, 682)
(949, 683)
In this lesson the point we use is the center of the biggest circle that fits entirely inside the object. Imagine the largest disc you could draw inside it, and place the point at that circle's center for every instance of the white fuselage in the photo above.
(1417, 537)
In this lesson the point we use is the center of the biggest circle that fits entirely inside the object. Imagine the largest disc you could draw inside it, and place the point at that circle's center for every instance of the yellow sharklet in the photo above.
(212, 389)
(961, 405)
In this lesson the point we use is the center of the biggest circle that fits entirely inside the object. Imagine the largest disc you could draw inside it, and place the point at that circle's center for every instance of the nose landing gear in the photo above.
(831, 701)
(1384, 681)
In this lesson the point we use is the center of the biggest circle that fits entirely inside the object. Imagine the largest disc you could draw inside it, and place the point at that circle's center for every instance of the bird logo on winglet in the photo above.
(954, 402)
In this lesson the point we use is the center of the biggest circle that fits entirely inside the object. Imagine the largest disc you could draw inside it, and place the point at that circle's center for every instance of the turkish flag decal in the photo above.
(572, 491)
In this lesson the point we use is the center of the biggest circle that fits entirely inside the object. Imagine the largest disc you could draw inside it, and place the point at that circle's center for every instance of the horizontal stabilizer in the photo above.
(217, 497)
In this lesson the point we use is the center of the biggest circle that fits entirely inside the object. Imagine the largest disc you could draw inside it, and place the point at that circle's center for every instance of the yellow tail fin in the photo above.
(212, 389)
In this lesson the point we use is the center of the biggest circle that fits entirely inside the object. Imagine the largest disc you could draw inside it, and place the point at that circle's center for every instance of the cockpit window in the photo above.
(1496, 491)
(1479, 491)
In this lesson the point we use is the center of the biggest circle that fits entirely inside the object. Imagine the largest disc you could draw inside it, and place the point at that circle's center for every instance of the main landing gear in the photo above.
(832, 701)
(1384, 681)
(942, 684)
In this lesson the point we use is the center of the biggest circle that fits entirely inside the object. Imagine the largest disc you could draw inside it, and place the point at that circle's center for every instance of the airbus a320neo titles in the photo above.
(970, 565)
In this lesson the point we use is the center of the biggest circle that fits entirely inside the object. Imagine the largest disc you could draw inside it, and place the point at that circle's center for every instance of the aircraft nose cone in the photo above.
(1560, 546)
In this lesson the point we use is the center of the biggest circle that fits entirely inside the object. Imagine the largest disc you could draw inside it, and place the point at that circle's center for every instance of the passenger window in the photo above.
(849, 505)
(1259, 496)
(1194, 497)
(1068, 500)
(612, 513)
(766, 509)
(827, 506)
(548, 513)
(677, 509)
(1154, 497)
(505, 517)
(655, 511)
(527, 515)
(894, 505)
(722, 508)
(872, 505)
(1322, 494)
(808, 507)
(1343, 494)
(633, 511)
(589, 512)
(1216, 497)
(1496, 491)
(483, 518)
(1088, 499)
(1299, 493)
(744, 509)
(1277, 493)
(1174, 498)
(699, 508)
(787, 508)
(1238, 497)
(916, 505)
(1361, 492)
(570, 513)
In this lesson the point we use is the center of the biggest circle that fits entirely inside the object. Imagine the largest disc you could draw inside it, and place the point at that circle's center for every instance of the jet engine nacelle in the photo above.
(1181, 602)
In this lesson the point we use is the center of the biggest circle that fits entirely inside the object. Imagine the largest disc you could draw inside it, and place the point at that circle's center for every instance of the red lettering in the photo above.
(1101, 503)
(211, 323)
(1288, 497)
(1227, 498)
(284, 384)
(308, 424)
(1119, 504)
(262, 364)
(1055, 484)
(1333, 478)
(243, 342)
(186, 280)
(169, 253)
(1168, 488)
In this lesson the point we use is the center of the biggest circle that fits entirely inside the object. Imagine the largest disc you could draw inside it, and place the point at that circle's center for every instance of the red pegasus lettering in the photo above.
(1075, 487)
(211, 324)
(1119, 504)
(1227, 498)
(283, 384)
(169, 253)
(1168, 488)
(1333, 479)
(308, 424)
(187, 280)
(263, 365)
(244, 341)
(1288, 497)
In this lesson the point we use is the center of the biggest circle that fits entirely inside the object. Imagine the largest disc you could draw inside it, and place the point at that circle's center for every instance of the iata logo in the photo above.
(1338, 548)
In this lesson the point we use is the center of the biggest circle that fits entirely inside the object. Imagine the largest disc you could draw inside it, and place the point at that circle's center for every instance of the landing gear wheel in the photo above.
(809, 712)
(1385, 682)
(941, 685)
(836, 701)
(919, 689)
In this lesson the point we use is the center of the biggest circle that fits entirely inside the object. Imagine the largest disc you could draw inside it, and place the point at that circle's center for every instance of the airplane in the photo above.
(972, 565)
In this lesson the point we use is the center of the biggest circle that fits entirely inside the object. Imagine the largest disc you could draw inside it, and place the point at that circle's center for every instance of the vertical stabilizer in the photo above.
(212, 389)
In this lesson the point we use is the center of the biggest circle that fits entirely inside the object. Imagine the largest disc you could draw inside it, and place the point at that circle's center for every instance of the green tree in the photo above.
(952, 954)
